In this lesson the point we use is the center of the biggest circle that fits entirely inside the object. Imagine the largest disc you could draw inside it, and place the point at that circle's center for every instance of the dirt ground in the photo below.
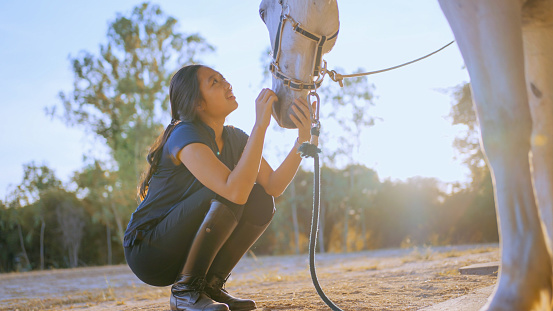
(398, 279)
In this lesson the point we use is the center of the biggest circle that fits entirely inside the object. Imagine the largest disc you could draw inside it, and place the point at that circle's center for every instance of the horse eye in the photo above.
(262, 14)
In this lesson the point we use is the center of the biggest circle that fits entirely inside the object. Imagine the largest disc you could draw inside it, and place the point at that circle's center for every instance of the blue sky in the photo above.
(414, 138)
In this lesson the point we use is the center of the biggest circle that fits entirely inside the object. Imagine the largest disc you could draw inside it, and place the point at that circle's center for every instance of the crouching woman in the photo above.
(208, 194)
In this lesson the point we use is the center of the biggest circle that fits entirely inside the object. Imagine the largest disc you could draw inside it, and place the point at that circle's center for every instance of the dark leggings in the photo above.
(159, 257)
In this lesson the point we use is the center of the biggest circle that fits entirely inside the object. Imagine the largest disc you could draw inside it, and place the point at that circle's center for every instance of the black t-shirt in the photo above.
(173, 182)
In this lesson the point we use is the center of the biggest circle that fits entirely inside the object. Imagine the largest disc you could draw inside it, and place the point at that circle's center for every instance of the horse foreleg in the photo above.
(489, 36)
(538, 47)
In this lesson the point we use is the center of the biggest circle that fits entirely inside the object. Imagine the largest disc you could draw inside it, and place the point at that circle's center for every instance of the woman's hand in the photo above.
(263, 107)
(275, 182)
(302, 119)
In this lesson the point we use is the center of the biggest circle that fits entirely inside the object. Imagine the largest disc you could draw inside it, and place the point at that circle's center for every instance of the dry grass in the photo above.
(55, 303)
(346, 268)
(408, 280)
(419, 254)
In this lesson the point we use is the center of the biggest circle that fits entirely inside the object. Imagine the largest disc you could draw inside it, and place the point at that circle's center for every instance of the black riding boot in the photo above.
(243, 237)
(188, 292)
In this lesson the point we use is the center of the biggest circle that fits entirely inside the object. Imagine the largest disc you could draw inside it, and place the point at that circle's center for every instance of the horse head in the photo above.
(301, 32)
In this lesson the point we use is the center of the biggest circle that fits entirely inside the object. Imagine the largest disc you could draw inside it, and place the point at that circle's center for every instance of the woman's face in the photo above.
(217, 97)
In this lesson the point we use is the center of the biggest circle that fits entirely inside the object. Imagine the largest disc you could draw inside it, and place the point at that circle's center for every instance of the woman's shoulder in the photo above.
(183, 134)
(187, 129)
(186, 126)
(235, 132)
(233, 129)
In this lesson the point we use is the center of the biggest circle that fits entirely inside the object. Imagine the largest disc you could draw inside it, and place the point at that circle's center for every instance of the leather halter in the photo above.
(292, 83)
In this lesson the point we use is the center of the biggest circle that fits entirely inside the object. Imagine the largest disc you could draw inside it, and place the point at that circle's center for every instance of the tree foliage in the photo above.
(477, 206)
(396, 214)
(346, 115)
(118, 95)
(121, 96)
(468, 144)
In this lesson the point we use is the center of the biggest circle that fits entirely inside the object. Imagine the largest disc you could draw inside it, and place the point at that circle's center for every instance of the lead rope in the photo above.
(306, 150)
(336, 77)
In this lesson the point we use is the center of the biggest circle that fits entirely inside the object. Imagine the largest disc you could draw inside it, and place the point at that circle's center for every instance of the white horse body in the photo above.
(507, 46)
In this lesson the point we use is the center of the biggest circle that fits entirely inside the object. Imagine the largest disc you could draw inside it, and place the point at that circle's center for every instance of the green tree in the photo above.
(7, 243)
(365, 183)
(70, 217)
(65, 212)
(286, 235)
(334, 198)
(468, 144)
(404, 213)
(350, 105)
(468, 216)
(95, 184)
(16, 219)
(477, 221)
(25, 210)
(36, 181)
(32, 207)
(119, 93)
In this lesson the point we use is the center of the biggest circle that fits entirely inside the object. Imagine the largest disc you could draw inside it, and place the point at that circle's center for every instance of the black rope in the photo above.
(313, 234)
(309, 150)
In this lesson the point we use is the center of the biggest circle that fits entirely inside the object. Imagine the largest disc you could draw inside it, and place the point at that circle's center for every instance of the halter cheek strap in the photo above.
(292, 83)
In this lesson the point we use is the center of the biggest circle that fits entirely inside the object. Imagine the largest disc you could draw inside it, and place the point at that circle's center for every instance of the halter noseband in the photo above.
(292, 83)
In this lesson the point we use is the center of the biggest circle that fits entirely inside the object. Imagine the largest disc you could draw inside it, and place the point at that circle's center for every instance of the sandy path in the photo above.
(401, 279)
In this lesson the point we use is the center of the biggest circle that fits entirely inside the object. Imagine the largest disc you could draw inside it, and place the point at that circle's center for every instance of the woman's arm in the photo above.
(237, 184)
(275, 182)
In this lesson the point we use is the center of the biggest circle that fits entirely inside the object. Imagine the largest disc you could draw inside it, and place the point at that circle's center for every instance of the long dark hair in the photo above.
(184, 95)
